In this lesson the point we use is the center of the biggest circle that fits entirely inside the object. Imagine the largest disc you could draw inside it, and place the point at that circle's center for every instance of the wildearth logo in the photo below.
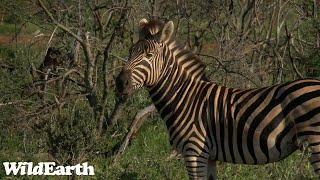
(46, 168)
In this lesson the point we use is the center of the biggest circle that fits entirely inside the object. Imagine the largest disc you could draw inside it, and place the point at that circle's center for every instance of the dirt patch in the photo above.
(22, 39)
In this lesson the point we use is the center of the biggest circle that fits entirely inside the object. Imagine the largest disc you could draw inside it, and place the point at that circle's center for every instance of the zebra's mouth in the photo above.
(124, 83)
(135, 87)
(138, 86)
(129, 91)
(126, 93)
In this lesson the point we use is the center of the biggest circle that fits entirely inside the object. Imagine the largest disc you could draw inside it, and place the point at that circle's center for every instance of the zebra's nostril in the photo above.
(124, 82)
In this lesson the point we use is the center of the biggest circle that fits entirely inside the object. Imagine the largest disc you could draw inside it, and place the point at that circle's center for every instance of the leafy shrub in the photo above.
(71, 137)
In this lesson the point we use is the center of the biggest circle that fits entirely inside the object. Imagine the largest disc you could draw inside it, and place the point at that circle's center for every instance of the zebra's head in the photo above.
(146, 59)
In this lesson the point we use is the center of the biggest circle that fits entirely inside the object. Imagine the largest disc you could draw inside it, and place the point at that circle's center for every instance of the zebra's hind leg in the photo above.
(314, 149)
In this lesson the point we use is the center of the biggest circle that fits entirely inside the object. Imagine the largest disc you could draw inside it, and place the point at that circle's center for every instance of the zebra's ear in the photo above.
(166, 32)
(142, 23)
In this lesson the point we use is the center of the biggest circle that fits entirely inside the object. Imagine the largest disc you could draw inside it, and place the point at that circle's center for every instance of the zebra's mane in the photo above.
(190, 59)
(149, 30)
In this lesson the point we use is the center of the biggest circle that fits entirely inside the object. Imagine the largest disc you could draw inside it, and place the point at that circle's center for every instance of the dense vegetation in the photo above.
(71, 114)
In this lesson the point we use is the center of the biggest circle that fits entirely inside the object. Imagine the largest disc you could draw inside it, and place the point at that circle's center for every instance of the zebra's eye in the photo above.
(149, 55)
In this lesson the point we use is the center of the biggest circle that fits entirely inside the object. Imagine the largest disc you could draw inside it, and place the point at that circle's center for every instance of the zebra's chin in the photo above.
(130, 91)
(136, 87)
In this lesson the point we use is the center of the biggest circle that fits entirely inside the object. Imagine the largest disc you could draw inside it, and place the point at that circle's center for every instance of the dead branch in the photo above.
(53, 106)
(227, 70)
(134, 127)
(5, 104)
(10, 68)
(86, 48)
(113, 118)
(289, 41)
(115, 113)
(64, 28)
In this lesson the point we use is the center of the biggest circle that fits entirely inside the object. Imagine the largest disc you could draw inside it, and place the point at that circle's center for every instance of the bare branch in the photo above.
(134, 127)
(64, 28)
(289, 41)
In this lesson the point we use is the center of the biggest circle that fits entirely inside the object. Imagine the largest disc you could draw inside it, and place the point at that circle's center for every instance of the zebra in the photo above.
(207, 122)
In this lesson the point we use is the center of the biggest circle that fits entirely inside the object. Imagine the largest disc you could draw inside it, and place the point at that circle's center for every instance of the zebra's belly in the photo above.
(273, 157)
(260, 150)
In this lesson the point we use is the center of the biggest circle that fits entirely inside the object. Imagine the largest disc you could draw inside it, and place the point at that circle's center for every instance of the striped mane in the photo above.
(191, 62)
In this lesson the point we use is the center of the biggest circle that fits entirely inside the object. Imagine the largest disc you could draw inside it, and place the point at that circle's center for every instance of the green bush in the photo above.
(71, 136)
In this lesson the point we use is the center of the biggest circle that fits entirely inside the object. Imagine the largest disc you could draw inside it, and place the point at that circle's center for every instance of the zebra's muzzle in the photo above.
(124, 82)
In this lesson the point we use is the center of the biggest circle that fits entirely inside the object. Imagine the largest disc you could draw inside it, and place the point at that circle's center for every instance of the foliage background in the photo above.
(77, 117)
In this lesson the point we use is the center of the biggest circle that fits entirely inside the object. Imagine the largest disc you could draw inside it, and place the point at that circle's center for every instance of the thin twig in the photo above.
(64, 28)
(289, 41)
(230, 71)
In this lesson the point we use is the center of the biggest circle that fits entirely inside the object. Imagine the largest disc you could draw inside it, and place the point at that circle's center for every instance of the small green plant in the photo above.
(71, 136)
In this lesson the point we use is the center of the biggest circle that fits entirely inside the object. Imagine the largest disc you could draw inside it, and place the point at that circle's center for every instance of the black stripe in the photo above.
(316, 169)
(242, 121)
(192, 64)
(198, 146)
(198, 69)
(198, 166)
(213, 120)
(182, 135)
(297, 87)
(230, 125)
(289, 126)
(222, 119)
(245, 100)
(192, 150)
(282, 134)
(308, 115)
(200, 101)
(307, 133)
(167, 60)
(315, 153)
(186, 115)
(315, 124)
(179, 54)
(167, 96)
(260, 117)
(243, 92)
(164, 81)
(316, 161)
(314, 144)
(205, 120)
(185, 102)
(139, 75)
(280, 117)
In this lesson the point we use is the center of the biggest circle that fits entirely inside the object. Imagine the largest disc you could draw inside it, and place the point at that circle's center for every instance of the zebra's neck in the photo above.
(171, 94)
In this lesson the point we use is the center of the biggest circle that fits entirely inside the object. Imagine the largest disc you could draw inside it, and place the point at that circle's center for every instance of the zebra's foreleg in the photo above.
(212, 170)
(199, 167)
